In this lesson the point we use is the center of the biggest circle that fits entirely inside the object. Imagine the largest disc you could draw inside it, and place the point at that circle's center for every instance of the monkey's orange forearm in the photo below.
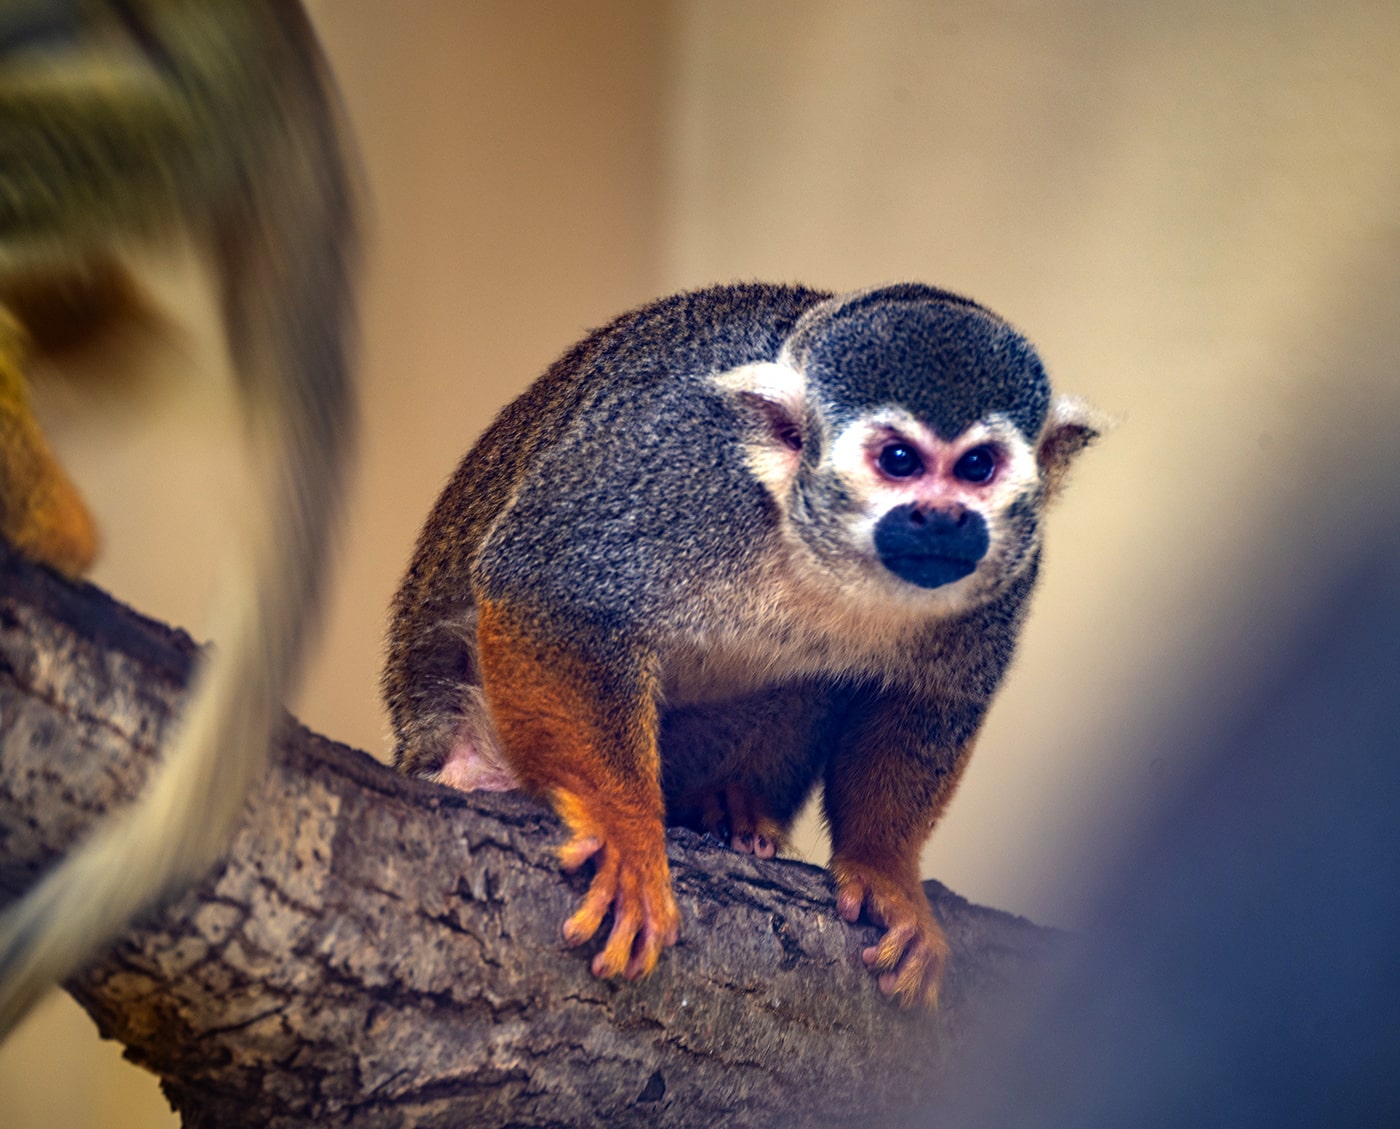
(595, 759)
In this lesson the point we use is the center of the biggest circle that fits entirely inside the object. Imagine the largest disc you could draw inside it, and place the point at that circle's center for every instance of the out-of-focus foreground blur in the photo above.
(1193, 209)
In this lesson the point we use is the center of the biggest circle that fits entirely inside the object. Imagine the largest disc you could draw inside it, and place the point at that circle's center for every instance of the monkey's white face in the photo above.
(926, 513)
(889, 515)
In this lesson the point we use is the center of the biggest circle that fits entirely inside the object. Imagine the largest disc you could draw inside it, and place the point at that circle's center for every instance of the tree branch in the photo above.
(379, 951)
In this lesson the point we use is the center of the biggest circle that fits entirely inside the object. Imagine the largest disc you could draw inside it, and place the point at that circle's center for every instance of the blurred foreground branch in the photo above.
(378, 951)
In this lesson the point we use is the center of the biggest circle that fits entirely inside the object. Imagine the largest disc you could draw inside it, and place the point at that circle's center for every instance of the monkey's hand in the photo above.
(632, 879)
(909, 959)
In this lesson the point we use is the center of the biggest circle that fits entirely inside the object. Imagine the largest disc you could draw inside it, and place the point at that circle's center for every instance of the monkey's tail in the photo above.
(283, 241)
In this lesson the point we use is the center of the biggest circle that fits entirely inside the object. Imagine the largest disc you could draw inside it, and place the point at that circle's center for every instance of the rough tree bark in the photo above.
(376, 951)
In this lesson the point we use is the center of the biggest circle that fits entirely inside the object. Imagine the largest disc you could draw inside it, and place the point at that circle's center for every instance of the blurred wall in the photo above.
(1191, 209)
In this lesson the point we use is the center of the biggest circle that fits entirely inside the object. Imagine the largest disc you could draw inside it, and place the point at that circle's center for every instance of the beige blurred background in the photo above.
(1193, 209)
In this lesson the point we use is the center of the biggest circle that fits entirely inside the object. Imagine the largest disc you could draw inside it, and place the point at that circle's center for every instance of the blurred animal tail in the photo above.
(227, 133)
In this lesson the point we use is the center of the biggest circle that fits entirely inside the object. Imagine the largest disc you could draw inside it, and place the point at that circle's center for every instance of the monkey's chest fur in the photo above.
(760, 667)
(759, 697)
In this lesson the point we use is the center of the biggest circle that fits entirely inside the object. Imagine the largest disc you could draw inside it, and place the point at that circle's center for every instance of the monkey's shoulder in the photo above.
(626, 418)
(699, 331)
(644, 359)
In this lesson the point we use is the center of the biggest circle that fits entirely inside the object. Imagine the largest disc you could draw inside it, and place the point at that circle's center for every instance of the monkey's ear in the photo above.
(1070, 427)
(772, 394)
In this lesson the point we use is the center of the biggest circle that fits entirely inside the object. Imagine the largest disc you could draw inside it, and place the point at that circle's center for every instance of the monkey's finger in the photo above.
(645, 921)
(646, 952)
(911, 988)
(616, 956)
(849, 900)
(752, 831)
(909, 959)
(601, 893)
(855, 895)
(756, 843)
(740, 808)
(915, 982)
(885, 954)
(768, 837)
(713, 818)
(660, 929)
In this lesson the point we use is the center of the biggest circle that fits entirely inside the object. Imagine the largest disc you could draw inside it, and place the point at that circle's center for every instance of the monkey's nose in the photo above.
(939, 519)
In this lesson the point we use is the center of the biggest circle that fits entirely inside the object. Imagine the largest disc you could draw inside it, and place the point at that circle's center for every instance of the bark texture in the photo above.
(376, 951)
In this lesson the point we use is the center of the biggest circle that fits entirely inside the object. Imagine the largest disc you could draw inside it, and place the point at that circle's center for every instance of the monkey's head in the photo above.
(910, 440)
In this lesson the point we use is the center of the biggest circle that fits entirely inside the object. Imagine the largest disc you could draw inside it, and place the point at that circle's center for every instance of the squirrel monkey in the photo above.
(126, 123)
(738, 541)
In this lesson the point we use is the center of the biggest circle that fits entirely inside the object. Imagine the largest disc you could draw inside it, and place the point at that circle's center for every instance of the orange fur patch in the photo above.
(597, 763)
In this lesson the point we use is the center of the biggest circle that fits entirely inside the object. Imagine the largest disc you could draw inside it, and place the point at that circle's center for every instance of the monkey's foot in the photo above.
(736, 815)
(909, 959)
(632, 880)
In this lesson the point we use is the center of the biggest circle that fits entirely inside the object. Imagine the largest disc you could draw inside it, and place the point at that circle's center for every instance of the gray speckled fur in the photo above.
(613, 503)
(946, 359)
(638, 467)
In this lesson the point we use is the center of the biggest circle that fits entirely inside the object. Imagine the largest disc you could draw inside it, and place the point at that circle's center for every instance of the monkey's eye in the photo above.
(976, 465)
(899, 460)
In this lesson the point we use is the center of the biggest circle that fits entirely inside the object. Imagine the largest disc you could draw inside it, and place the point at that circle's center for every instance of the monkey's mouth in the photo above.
(929, 571)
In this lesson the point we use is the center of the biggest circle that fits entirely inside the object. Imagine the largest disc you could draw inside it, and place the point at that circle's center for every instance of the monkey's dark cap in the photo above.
(944, 358)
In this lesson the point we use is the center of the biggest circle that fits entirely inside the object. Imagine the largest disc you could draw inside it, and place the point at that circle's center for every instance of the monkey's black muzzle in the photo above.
(930, 548)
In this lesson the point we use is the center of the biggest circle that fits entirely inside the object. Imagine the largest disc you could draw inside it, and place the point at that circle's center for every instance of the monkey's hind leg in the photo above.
(443, 726)
(41, 511)
(740, 770)
(475, 762)
(584, 737)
